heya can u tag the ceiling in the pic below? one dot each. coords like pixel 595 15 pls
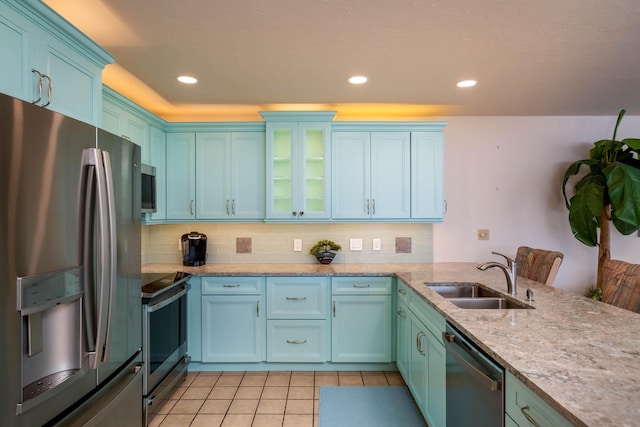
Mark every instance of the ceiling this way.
pixel 530 57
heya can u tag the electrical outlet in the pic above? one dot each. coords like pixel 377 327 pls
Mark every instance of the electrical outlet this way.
pixel 377 244
pixel 483 234
pixel 297 245
pixel 355 244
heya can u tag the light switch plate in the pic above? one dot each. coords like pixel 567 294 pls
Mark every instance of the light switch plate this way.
pixel 297 245
pixel 355 244
pixel 377 244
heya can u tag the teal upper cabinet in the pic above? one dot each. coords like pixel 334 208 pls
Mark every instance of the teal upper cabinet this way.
pixel 230 171
pixel 298 178
pixel 181 181
pixel 123 117
pixel 49 62
pixel 371 175
pixel 427 172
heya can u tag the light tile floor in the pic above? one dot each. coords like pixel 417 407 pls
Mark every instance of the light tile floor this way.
pixel 258 399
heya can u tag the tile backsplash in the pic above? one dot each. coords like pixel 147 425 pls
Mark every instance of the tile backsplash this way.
pixel 273 243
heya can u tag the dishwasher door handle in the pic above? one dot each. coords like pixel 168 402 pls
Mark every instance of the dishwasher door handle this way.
pixel 456 348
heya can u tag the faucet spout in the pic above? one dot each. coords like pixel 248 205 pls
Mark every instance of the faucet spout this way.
pixel 509 270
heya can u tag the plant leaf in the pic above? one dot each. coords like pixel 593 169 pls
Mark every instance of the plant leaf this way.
pixel 620 116
pixel 633 143
pixel 622 226
pixel 573 169
pixel 585 208
pixel 623 182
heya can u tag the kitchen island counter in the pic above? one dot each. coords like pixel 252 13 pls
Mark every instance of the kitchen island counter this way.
pixel 581 356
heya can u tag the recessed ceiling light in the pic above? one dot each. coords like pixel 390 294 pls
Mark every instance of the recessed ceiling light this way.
pixel 466 83
pixel 187 80
pixel 357 80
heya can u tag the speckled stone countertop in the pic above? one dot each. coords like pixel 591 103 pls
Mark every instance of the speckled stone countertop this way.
pixel 579 355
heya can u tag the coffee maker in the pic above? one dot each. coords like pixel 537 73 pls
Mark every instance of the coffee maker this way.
pixel 194 249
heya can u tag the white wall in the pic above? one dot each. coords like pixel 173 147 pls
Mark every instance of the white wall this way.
pixel 505 174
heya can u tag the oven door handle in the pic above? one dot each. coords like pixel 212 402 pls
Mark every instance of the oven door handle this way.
pixel 166 302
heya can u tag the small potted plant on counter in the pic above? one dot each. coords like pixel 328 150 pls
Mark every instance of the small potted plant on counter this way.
pixel 324 251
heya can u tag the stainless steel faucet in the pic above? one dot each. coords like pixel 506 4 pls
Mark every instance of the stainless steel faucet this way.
pixel 510 271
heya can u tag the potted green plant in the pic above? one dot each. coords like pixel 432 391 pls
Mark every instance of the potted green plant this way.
pixel 324 251
pixel 610 191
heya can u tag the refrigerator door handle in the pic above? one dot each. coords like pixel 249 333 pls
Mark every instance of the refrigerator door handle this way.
pixel 112 247
pixel 94 158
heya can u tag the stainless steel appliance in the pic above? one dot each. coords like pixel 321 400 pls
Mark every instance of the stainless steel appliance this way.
pixel 164 342
pixel 194 249
pixel 475 384
pixel 148 188
pixel 69 272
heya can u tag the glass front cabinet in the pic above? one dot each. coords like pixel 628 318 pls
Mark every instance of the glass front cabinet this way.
pixel 298 174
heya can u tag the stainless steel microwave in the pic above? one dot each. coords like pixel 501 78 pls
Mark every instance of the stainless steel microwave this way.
pixel 148 189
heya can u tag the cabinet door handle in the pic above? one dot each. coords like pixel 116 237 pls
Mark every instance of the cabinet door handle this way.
pixel 374 207
pixel 361 286
pixel 334 309
pixel 419 343
pixel 529 417
pixel 301 213
pixel 368 211
pixel 191 207
pixel 231 286
pixel 233 206
pixel 39 85
pixel 296 341
pixel 296 298
pixel 227 206
pixel 402 314
pixel 294 213
pixel 258 308
pixel 49 90
pixel 402 291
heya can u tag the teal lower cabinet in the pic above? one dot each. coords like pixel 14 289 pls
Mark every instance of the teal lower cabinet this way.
pixel 402 337
pixel 194 319
pixel 297 341
pixel 233 319
pixel 421 356
pixel 297 319
pixel 525 408
pixel 361 319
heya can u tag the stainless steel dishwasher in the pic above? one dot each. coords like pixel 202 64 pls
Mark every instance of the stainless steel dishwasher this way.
pixel 475 384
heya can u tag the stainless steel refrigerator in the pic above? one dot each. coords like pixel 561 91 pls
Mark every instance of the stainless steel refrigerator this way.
pixel 70 301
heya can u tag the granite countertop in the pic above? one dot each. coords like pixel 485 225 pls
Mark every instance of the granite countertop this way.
pixel 581 356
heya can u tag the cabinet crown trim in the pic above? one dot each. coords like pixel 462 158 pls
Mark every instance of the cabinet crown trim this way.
pixel 388 126
pixel 298 116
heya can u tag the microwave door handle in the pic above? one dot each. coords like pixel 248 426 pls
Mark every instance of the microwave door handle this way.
pixel 101 262
pixel 111 246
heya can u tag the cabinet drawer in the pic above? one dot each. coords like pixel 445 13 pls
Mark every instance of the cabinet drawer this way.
pixel 297 341
pixel 521 402
pixel 403 292
pixel 361 285
pixel 232 285
pixel 297 297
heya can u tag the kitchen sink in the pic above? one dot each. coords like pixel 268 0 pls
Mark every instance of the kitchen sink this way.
pixel 486 303
pixel 463 290
pixel 475 296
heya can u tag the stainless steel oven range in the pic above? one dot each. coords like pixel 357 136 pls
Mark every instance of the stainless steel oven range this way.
pixel 164 337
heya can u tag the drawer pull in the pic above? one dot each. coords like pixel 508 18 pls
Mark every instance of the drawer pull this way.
pixel 528 417
pixel 296 341
pixel 296 298
pixel 230 286
pixel 361 286
pixel 402 291
pixel 401 314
